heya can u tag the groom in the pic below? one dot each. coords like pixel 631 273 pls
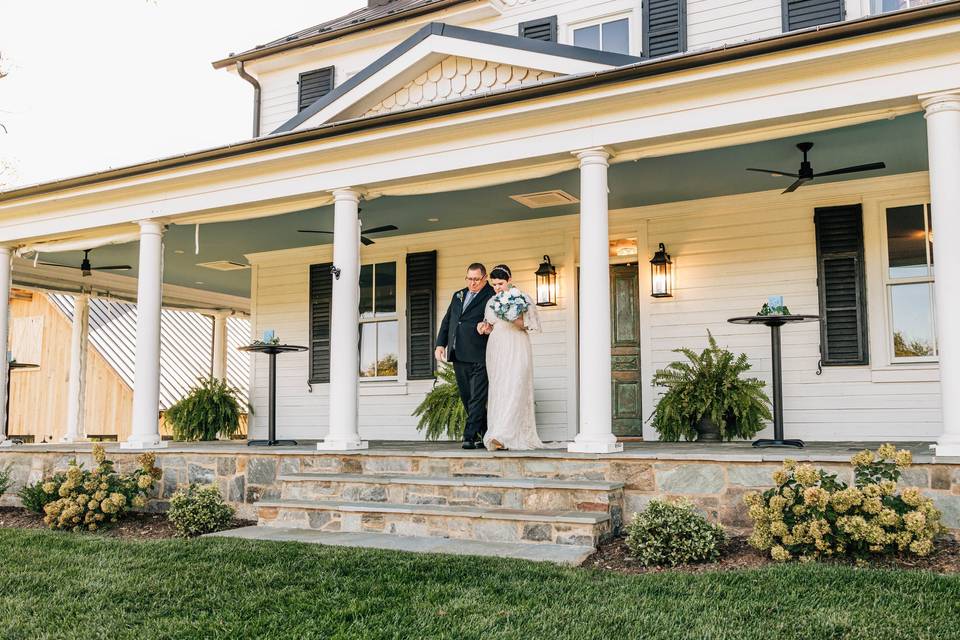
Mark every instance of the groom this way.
pixel 460 343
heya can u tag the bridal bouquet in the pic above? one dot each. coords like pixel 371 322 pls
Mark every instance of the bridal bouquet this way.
pixel 510 304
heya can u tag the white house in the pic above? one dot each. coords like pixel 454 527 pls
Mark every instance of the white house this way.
pixel 591 132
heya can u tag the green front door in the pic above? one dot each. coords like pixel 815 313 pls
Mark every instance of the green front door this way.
pixel 625 349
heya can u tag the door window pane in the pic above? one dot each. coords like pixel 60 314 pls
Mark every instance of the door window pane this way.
pixel 366 291
pixel 910 306
pixel 907 242
pixel 368 350
pixel 616 36
pixel 588 37
pixel 386 288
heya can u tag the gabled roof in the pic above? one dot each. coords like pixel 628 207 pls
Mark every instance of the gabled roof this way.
pixel 421 50
pixel 365 18
pixel 186 345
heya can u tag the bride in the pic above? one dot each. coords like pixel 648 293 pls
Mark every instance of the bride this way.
pixel 510 408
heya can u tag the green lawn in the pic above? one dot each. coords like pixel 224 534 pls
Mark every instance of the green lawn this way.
pixel 57 585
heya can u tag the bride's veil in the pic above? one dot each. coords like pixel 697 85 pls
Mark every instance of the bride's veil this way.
pixel 531 319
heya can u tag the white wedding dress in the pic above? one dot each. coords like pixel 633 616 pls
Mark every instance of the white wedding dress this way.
pixel 511 413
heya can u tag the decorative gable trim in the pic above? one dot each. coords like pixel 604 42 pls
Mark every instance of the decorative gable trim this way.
pixel 456 76
pixel 436 41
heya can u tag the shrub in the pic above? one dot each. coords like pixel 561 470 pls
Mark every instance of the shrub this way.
pixel 83 499
pixel 6 478
pixel 709 386
pixel 672 533
pixel 441 412
pixel 211 408
pixel 34 498
pixel 199 509
pixel 810 513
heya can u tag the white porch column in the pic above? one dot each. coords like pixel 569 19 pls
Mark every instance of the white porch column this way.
pixel 942 113
pixel 343 434
pixel 76 385
pixel 220 345
pixel 596 419
pixel 146 381
pixel 6 255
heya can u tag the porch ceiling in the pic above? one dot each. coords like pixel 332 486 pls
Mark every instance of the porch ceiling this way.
pixel 901 143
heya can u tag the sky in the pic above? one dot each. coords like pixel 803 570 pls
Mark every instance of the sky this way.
pixel 94 84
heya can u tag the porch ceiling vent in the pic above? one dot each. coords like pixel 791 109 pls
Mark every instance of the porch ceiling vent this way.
pixel 545 199
pixel 223 265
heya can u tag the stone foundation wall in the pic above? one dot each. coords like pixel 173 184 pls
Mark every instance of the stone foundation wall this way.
pixel 716 486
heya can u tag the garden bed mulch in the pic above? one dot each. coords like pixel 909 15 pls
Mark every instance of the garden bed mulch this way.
pixel 138 526
pixel 737 554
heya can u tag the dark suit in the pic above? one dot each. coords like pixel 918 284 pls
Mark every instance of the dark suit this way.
pixel 467 350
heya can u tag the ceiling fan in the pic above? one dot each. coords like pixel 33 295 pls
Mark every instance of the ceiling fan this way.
pixel 806 174
pixel 86 268
pixel 363 238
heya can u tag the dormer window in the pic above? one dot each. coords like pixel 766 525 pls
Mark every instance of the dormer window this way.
pixel 884 6
pixel 612 36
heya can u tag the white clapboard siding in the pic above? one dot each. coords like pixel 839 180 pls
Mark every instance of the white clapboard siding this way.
pixel 711 23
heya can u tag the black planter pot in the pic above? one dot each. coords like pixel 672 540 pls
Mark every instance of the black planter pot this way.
pixel 707 431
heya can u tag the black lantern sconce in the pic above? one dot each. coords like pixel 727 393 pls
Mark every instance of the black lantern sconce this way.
pixel 661 274
pixel 546 284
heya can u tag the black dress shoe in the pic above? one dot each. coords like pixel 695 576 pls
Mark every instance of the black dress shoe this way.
pixel 468 445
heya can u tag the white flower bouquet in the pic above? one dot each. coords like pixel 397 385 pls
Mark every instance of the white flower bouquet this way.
pixel 510 304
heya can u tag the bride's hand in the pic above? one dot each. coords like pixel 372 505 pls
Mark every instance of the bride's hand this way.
pixel 481 328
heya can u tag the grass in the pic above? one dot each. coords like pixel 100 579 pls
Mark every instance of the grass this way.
pixel 61 585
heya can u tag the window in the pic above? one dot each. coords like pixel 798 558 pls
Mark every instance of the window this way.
pixel 909 283
pixel 612 36
pixel 883 6
pixel 379 325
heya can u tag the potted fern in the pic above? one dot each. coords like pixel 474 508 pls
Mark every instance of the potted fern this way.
pixel 707 400
pixel 441 413
pixel 211 409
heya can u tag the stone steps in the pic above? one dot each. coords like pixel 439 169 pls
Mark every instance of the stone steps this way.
pixel 534 494
pixel 581 528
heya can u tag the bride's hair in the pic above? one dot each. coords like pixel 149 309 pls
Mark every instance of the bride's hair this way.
pixel 501 272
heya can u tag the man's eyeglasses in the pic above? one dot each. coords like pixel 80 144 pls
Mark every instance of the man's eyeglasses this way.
pixel 469 279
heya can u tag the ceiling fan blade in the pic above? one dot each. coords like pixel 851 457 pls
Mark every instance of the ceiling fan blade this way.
pixel 795 185
pixel 860 167
pixel 366 241
pixel 114 267
pixel 313 231
pixel 54 264
pixel 776 173
pixel 388 227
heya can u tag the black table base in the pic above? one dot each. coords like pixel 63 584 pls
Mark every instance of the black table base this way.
pixel 772 442
pixel 272 350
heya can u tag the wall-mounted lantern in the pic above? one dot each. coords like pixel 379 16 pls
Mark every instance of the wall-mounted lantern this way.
pixel 546 284
pixel 661 276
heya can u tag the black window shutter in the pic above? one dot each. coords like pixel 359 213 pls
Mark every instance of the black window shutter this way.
pixel 664 27
pixel 421 314
pixel 840 277
pixel 540 29
pixel 800 14
pixel 314 85
pixel 321 295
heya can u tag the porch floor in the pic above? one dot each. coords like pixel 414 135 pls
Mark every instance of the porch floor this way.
pixel 839 451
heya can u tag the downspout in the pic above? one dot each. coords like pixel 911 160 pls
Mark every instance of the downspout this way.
pixel 256 97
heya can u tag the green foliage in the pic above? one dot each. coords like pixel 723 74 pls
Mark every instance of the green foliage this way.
pixel 441 412
pixel 6 478
pixel 709 385
pixel 197 510
pixel 96 498
pixel 34 498
pixel 210 409
pixel 672 533
pixel 810 513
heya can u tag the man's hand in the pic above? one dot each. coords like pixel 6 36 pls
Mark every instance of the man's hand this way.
pixel 441 354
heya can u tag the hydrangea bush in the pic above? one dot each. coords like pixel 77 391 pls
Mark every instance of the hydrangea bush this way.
pixel 811 514
pixel 96 498
pixel 672 533
pixel 197 510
